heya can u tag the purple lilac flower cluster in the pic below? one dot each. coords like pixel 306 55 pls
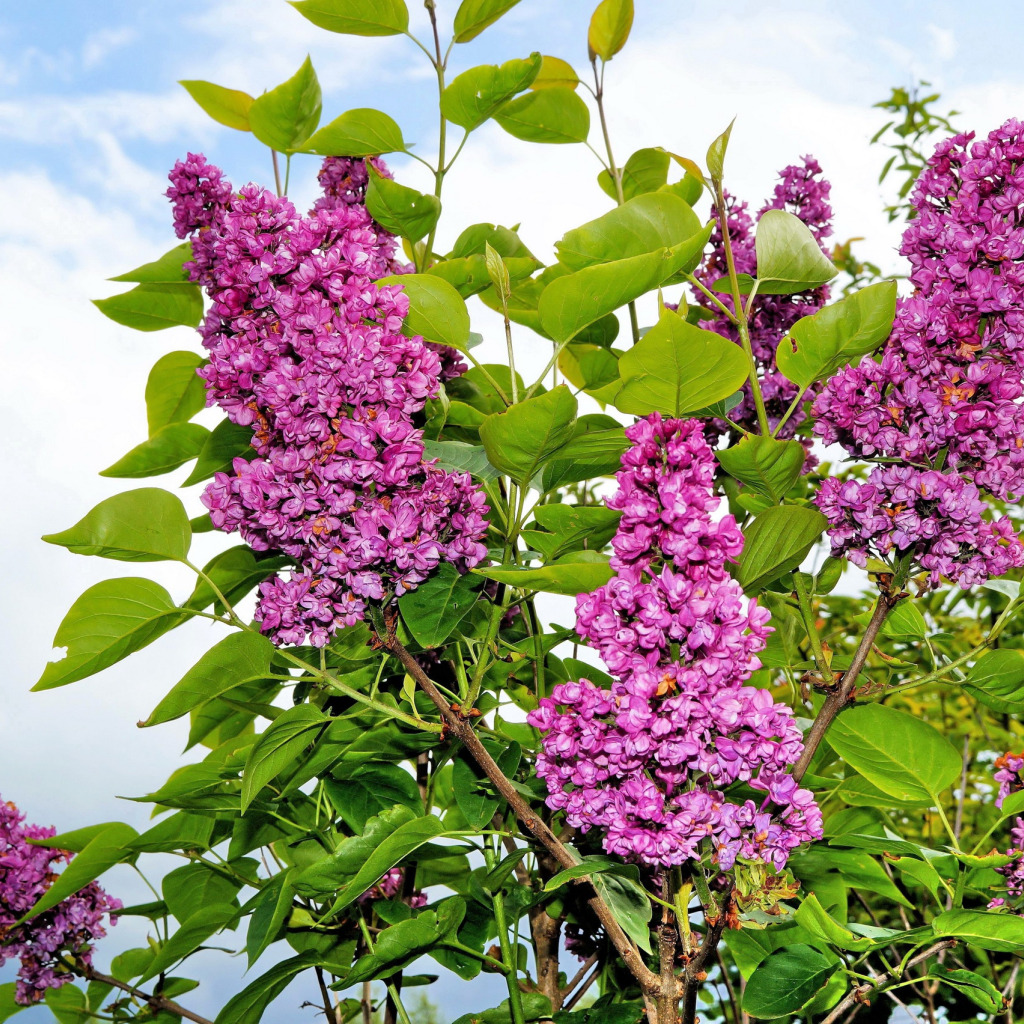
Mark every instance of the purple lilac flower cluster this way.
pixel 306 349
pixel 68 929
pixel 389 886
pixel 945 396
pixel 802 191
pixel 647 760
pixel 1008 775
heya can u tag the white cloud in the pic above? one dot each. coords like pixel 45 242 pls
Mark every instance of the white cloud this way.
pixel 98 45
pixel 943 42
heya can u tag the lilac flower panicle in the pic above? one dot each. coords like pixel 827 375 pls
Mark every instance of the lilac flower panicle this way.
pixel 66 931
pixel 306 349
pixel 948 388
pixel 647 761
pixel 1008 774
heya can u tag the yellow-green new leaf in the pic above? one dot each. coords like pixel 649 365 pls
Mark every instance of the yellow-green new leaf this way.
pixel 473 16
pixel 478 93
pixel 229 107
pixel 609 28
pixel 556 116
pixel 356 17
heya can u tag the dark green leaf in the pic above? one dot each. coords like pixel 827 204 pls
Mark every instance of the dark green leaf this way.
pixel 575 573
pixel 775 542
pixel 548 115
pixel 170 447
pixel 765 464
pixel 677 368
pixel 473 16
pixel 143 525
pixel 226 442
pixel 229 107
pixel 356 17
pixel 238 658
pixel 360 132
pixel 610 1013
pixel 786 981
pixel 609 28
pixel 478 93
pixel 282 743
pixel 362 791
pixel 588 866
pixel 788 258
pixel 978 989
pixel 8 1007
pixel 174 391
pixel 186 890
pixel 107 623
pixel 820 344
pixel 403 211
pixel 472 790
pixel 271 911
pixel 460 457
pixel 395 947
pixel 819 923
pixel 628 901
pixel 436 310
pixel 997 680
pixel 437 606
pixel 596 444
pixel 178 831
pixel 234 572
pixel 168 269
pixel 249 1005
pixel 287 116
pixel 153 307
pixel 1001 933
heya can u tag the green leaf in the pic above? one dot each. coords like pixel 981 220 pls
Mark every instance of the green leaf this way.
pixel 978 989
pixel 591 865
pixel 577 572
pixel 168 269
pixel 143 525
pixel 900 754
pixel 476 94
pixel 645 171
pixel 820 344
pixel 649 222
pixel 438 605
pixel 551 115
pixel 362 791
pixel 153 307
pixel 249 1005
pixel 272 909
pixel 608 1013
pixel 225 443
pixel 287 116
pixel 174 391
pixel 555 73
pixel 68 1005
pixel 997 680
pixel 460 457
pixel 609 28
pixel 768 466
pixel 8 1007
pixel 816 920
pixel 518 440
pixel 179 831
pixel 436 310
pixel 1000 933
pixel 677 368
pixel 628 901
pixel 775 542
pixel 403 211
pixel 473 792
pixel 234 572
pixel 194 931
pixel 905 620
pixel 170 447
pixel 473 16
pixel 596 444
pixel 574 301
pixel 716 153
pixel 356 17
pixel 788 258
pixel 238 658
pixel 573 525
pixel 283 742
pixel 109 847
pixel 107 623
pixel 229 107
pixel 396 947
pixel 786 981
pixel 360 132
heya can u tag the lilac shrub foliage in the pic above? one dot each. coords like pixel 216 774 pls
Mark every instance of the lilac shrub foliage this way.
pixel 306 349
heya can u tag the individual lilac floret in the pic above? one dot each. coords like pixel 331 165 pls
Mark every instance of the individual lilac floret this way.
pixel 306 349
pixel 199 194
pixel 1008 775
pixel 648 760
pixel 64 932
pixel 948 390
pixel 389 886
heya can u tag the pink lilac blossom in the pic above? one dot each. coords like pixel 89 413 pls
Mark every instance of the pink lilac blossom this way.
pixel 67 930
pixel 306 349
pixel 946 393
pixel 389 886
pixel 1008 775
pixel 647 760
pixel 803 192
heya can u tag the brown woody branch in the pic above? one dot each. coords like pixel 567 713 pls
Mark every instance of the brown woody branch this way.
pixel 155 1000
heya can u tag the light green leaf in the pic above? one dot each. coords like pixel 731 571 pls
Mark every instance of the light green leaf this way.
pixel 816 920
pixel 436 310
pixel 356 17
pixel 788 258
pixel 359 132
pixel 478 93
pixel 144 525
pixel 473 16
pixel 775 542
pixel 819 345
pixel 194 931
pixel 765 464
pixel 645 171
pixel 555 73
pixel 403 211
pixel 174 391
pixel 168 269
pixel 609 28
pixel 238 658
pixel 154 307
pixel 229 107
pixel 577 572
pixel 284 741
pixel 1001 933
pixel 438 605
pixel 107 623
pixel 786 981
pixel 900 754
pixel 519 440
pixel 715 156
pixel 677 368
pixel 997 680
pixel 548 115
pixel 170 447
pixel 287 116
pixel 8 1007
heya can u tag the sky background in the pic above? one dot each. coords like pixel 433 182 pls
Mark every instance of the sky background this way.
pixel 91 118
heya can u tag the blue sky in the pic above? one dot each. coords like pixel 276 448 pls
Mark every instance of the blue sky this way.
pixel 90 121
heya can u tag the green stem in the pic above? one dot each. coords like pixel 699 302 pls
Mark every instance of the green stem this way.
pixel 439 63
pixel 277 172
pixel 515 997
pixel 723 308
pixel 793 406
pixel 803 597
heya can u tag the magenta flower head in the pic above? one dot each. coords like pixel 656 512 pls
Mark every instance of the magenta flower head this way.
pixel 649 762
pixel 67 932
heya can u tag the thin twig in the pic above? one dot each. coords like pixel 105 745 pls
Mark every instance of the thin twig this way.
pixel 158 1002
